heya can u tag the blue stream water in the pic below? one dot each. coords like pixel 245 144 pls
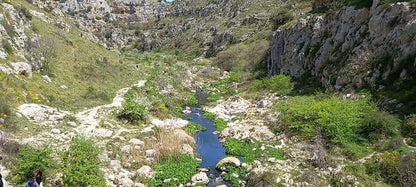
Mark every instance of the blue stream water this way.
pixel 208 146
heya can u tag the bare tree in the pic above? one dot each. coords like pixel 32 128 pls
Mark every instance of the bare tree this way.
pixel 44 51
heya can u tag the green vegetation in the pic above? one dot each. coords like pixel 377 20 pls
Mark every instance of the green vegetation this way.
pixel 221 124
pixel 280 18
pixel 353 124
pixel 279 84
pixel 192 101
pixel 235 174
pixel 81 163
pixel 177 168
pixel 132 110
pixel 193 127
pixel 338 118
pixel 210 115
pixel 31 160
pixel 251 150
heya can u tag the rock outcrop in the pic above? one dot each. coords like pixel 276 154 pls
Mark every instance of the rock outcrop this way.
pixel 347 48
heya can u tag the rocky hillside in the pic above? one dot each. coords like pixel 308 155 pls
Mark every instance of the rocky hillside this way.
pixel 368 48
pixel 293 88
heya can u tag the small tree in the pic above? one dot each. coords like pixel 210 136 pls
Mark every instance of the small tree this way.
pixel 43 51
pixel 81 164
pixel 30 160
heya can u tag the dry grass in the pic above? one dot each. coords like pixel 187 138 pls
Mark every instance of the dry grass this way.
pixel 164 141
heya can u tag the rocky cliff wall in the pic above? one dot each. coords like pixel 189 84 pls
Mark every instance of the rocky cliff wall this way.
pixel 350 48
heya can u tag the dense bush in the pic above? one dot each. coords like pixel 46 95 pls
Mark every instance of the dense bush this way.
pixel 192 101
pixel 30 160
pixel 132 110
pixel 181 167
pixel 279 84
pixel 281 18
pixel 378 125
pixel 338 118
pixel 81 164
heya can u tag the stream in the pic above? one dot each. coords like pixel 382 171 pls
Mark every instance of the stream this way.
pixel 208 146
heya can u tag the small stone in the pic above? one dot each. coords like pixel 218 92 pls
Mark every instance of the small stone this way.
pixel 115 164
pixel 139 185
pixel 136 141
pixel 166 180
pixel 46 78
pixel 116 181
pixel 64 87
pixel 145 171
pixel 126 149
pixel 71 123
pixel 111 177
pixel 26 128
pixel 151 153
pixel 56 131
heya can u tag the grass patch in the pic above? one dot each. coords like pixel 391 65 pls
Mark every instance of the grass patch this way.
pixel 194 127
pixel 279 84
pixel 251 150
pixel 235 174
pixel 178 168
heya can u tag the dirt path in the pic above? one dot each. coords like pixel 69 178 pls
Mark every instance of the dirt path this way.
pixel 90 122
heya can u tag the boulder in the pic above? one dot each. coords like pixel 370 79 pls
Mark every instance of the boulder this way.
pixel 150 154
pixel 200 177
pixel 126 149
pixel 56 131
pixel 187 149
pixel 115 164
pixel 145 171
pixel 229 160
pixel 136 141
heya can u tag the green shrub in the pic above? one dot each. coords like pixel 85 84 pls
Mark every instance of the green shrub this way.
pixel 280 18
pixel 132 110
pixel 7 47
pixel 81 164
pixel 221 124
pixel 30 160
pixel 278 83
pixel 193 127
pixel 235 76
pixel 377 125
pixel 338 118
pixel 210 115
pixel 181 167
pixel 192 101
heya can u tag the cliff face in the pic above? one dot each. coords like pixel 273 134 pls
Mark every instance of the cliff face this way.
pixel 347 48
pixel 353 48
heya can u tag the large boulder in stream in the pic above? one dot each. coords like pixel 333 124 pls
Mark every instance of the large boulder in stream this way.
pixel 229 160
